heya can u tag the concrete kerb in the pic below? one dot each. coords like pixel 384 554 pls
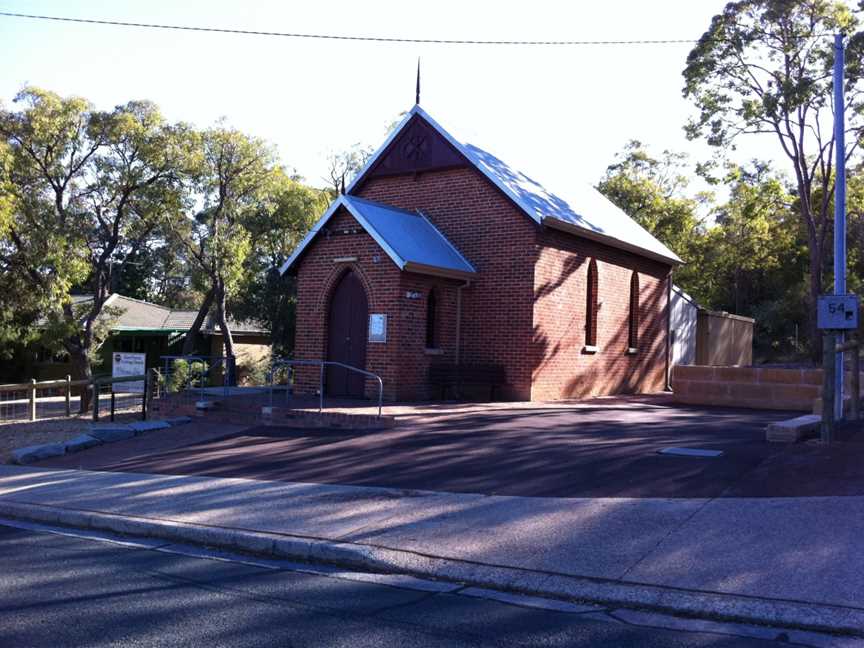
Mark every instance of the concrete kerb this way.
pixel 800 615
pixel 98 434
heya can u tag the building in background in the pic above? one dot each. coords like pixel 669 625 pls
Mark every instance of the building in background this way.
pixel 703 337
pixel 157 331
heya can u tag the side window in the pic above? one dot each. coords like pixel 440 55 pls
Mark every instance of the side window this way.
pixel 430 320
pixel 633 337
pixel 591 306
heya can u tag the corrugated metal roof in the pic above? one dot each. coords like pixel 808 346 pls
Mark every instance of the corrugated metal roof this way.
pixel 581 209
pixel 409 239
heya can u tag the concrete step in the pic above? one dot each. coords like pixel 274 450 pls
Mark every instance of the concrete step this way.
pixel 793 430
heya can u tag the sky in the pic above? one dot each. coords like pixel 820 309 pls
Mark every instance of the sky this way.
pixel 559 114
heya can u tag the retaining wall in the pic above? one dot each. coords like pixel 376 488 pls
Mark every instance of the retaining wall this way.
pixel 762 388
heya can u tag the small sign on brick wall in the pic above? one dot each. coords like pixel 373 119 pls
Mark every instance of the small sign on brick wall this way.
pixel 377 327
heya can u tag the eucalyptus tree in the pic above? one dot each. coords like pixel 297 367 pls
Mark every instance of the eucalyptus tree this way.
pixel 764 67
pixel 654 191
pixel 86 189
pixel 232 175
pixel 282 219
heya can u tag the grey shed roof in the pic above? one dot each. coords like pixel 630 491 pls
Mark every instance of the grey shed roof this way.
pixel 409 238
pixel 580 209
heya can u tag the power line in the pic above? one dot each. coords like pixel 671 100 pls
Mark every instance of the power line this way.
pixel 336 37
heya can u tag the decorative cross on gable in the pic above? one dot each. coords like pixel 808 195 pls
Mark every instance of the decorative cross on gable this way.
pixel 418 148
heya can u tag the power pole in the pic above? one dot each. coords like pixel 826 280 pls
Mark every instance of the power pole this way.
pixel 839 207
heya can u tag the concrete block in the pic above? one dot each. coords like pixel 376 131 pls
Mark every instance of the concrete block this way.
pixel 140 427
pixel 781 376
pixel 81 442
pixel 793 430
pixel 112 434
pixel 745 391
pixel 178 420
pixel 109 426
pixel 735 374
pixel 811 376
pixel 37 453
pixel 693 372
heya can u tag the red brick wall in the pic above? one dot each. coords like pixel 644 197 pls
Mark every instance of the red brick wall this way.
pixel 539 345
pixel 563 369
pixel 414 357
pixel 498 239
pixel 317 276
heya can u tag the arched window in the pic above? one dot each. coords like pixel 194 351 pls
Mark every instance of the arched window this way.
pixel 430 320
pixel 591 306
pixel 633 336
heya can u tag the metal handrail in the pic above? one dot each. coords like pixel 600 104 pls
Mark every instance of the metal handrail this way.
pixel 322 364
pixel 209 363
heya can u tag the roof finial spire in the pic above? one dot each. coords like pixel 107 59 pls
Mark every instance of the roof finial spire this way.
pixel 417 97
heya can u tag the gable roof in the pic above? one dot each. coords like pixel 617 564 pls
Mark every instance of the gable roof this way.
pixel 411 241
pixel 582 210
pixel 139 315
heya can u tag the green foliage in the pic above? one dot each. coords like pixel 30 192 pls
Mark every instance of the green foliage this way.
pixel 86 189
pixel 653 191
pixel 746 256
pixel 185 374
pixel 765 67
pixel 276 228
pixel 755 260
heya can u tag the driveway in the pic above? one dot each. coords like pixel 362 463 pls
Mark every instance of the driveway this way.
pixel 597 449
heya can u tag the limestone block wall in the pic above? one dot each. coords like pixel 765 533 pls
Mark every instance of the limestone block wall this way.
pixel 761 388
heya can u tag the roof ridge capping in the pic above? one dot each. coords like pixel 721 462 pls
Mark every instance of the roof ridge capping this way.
pixel 609 225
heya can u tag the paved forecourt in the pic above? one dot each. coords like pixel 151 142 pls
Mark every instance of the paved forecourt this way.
pixel 600 448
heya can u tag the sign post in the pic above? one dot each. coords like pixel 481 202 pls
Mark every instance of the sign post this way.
pixel 839 204
pixel 834 314
pixel 128 364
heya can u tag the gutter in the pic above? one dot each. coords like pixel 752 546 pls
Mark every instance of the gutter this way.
pixel 564 226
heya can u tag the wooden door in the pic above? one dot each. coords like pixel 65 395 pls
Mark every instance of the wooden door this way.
pixel 346 337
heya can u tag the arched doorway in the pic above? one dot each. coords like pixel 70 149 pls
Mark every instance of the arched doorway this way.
pixel 346 336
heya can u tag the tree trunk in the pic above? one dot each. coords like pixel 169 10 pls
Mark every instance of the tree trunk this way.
pixel 815 291
pixel 81 370
pixel 227 339
pixel 192 334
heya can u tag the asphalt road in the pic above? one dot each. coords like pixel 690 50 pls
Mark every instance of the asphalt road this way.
pixel 62 591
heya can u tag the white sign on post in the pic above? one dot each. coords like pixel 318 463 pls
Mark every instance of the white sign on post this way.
pixel 837 312
pixel 129 364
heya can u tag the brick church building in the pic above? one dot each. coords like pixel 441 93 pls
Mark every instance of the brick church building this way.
pixel 440 256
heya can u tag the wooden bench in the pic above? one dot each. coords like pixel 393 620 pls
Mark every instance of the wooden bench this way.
pixel 456 376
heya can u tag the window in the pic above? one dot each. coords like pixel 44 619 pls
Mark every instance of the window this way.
pixel 633 336
pixel 430 320
pixel 591 308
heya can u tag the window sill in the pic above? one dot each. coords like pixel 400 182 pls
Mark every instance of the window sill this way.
pixel 588 348
pixel 632 351
pixel 433 351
